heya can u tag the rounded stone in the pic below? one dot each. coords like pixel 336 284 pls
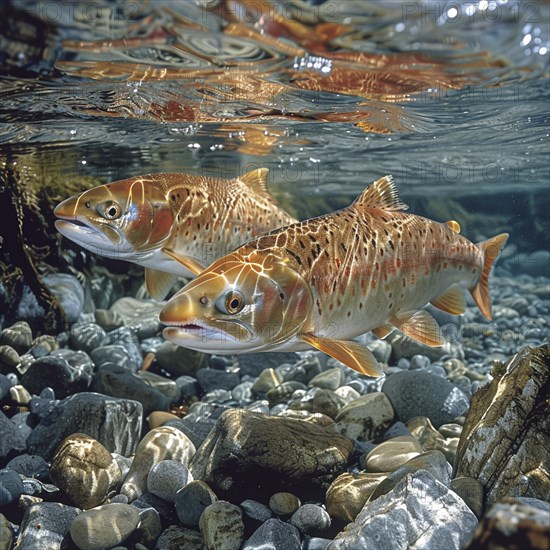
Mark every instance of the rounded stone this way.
pixel 391 454
pixel 284 504
pixel 267 380
pixel 68 292
pixel 158 418
pixel 18 336
pixel 274 534
pixel 222 526
pixel 331 379
pixel 30 466
pixel 419 362
pixel 164 443
pixel 166 478
pixel 9 357
pixel 86 336
pixel 6 533
pixel 11 487
pixel 191 502
pixel 471 491
pixel 310 518
pixel 104 527
pixel 256 510
pixel 84 470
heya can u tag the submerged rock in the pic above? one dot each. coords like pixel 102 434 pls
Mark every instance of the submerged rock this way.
pixel 505 442
pixel 246 451
pixel 418 513
pixel 222 526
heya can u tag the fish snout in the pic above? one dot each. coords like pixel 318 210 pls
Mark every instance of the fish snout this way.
pixel 178 311
pixel 65 209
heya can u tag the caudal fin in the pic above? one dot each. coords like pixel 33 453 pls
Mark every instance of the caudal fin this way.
pixel 491 249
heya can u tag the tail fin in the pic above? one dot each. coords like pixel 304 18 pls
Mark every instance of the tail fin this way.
pixel 480 293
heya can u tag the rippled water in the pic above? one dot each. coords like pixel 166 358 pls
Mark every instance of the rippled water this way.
pixel 449 97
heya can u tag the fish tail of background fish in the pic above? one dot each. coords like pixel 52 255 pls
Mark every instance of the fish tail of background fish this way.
pixel 480 293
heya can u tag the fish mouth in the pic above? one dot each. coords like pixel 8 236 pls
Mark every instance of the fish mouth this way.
pixel 91 238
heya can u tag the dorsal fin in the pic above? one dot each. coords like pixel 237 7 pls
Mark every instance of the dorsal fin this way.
pixel 381 194
pixel 256 181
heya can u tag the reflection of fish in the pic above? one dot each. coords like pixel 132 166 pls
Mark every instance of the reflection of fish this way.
pixel 149 219
pixel 324 281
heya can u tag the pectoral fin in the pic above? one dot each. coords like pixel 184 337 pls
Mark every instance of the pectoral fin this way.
pixel 158 283
pixel 353 355
pixel 453 301
pixel 187 262
pixel 421 326
pixel 382 331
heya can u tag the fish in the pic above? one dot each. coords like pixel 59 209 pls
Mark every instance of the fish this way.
pixel 321 282
pixel 171 224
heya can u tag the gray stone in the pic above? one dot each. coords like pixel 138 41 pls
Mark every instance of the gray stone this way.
pixel 45 525
pixel 470 490
pixel 196 429
pixel 431 439
pixel 274 534
pixel 166 478
pixel 69 293
pixel 103 527
pixel 6 533
pixel 315 543
pixel 258 447
pixel 115 423
pixel 5 386
pixel 188 386
pixel 180 538
pixel 283 392
pixel 180 361
pixel 381 349
pixel 211 379
pixel 418 393
pixel 30 466
pixel 108 320
pixel 256 510
pixel 164 443
pixel 418 513
pixel 113 353
pixel 310 519
pixel 505 442
pixel 84 470
pixel 165 386
pixel 57 373
pixel 11 487
pixel 86 336
pixel 9 358
pixel 419 362
pixel 191 501
pixel 267 380
pixel 284 504
pixel 327 402
pixel 243 392
pixel 117 381
pixel 330 379
pixel 11 440
pixel 365 418
pixel 431 461
pixel 254 363
pixel 222 526
pixel 18 336
pixel 149 528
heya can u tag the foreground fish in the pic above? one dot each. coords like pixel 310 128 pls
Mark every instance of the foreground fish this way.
pixel 326 280
pixel 151 219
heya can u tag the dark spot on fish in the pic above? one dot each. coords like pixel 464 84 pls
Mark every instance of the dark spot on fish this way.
pixel 344 247
pixel 88 204
pixel 302 243
pixel 282 295
pixel 360 305
pixel 294 255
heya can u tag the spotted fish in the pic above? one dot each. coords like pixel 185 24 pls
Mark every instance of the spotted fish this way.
pixel 326 280
pixel 151 219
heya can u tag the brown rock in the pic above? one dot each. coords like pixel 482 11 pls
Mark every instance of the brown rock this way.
pixel 393 453
pixel 284 504
pixel 431 439
pixel 246 451
pixel 348 493
pixel 506 438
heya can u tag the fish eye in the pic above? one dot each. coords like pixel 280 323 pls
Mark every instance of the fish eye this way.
pixel 110 210
pixel 231 302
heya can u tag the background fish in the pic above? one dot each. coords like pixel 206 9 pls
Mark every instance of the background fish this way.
pixel 150 219
pixel 323 281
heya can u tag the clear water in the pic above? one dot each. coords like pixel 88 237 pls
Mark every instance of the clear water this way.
pixel 460 116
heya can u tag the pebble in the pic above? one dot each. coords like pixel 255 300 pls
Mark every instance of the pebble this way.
pixel 103 527
pixel 274 534
pixel 6 534
pixel 347 393
pixel 419 362
pixel 30 466
pixel 108 320
pixel 222 526
pixel 9 358
pixel 391 454
pixel 423 394
pixel 164 443
pixel 159 418
pixel 471 491
pixel 180 538
pixel 191 501
pixel 11 487
pixel 115 423
pixel 428 514
pixel 315 543
pixel 68 292
pixel 395 430
pixel 86 336
pixel 257 447
pixel 256 510
pixel 149 528
pixel 431 439
pixel 165 386
pixel 166 478
pixel 349 492
pixel 45 525
pixel 189 388
pixel 330 379
pixel 267 380
pixel 5 385
pixel 310 519
pixel 381 350
pixel 11 440
pixel 284 504
pixel 365 418
pixel 243 392
pixel 18 336
pixel 211 379
pixel 84 470
pixel 327 402
pixel 283 392
pixel 179 361
pixel 113 353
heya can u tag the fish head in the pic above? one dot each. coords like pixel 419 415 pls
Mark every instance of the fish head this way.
pixel 124 219
pixel 239 305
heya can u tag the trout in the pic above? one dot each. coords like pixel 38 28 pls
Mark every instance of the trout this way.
pixel 321 282
pixel 151 219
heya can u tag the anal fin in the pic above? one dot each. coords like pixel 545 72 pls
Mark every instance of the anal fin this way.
pixel 420 326
pixel 451 301
pixel 158 283
pixel 353 355
pixel 382 331
pixel 187 262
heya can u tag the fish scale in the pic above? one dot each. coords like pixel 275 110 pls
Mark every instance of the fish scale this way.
pixel 326 280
